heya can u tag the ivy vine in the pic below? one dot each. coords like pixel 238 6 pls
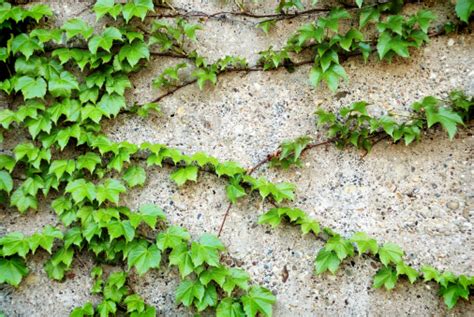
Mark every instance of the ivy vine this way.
pixel 62 83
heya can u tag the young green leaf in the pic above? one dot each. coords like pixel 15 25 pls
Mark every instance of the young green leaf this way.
pixel 184 174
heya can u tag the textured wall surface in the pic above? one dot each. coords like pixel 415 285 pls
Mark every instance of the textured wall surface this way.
pixel 420 197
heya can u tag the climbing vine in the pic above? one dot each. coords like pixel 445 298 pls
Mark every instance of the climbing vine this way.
pixel 63 83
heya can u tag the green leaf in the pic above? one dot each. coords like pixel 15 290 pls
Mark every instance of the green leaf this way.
pixel 206 250
pixel 150 214
pixel 88 161
pixel 216 274
pixel 236 277
pixel 31 87
pixel 172 238
pixel 407 270
pixel 258 300
pixel 181 256
pixel 107 308
pixel 452 293
pixel 26 45
pixel 110 190
pixel 134 52
pixel 80 189
pixel 62 85
pixel 385 277
pixel 234 191
pixel 203 75
pixel 326 260
pixel 447 118
pixel 464 9
pixel 143 257
pixel 103 7
pixel 342 247
pixel 74 27
pixel 7 162
pixel 111 104
pixel 59 167
pixel 271 217
pixel 134 175
pixel 229 169
pixel 184 174
pixel 6 182
pixel 138 8
pixel 105 40
pixel 209 299
pixel 86 310
pixel 12 270
pixel 45 239
pixel 188 290
pixel 228 308
pixel 23 201
pixel 390 253
pixel 364 243
pixel 14 243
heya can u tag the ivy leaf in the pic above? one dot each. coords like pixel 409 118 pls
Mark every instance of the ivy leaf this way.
pixel 150 214
pixel 134 175
pixel 188 290
pixel 172 238
pixel 181 256
pixel 216 274
pixel 258 300
pixel 38 11
pixel 12 270
pixel 228 308
pixel 103 7
pixel 203 75
pixel 107 308
pixel 117 84
pixel 105 40
pixel 45 239
pixel 6 182
pixel 234 191
pixel 464 9
pixel 7 162
pixel 63 84
pixel 385 277
pixel 138 8
pixel 326 260
pixel 206 250
pixel 31 87
pixel 26 45
pixel 447 118
pixel 430 273
pixel 452 293
pixel 364 243
pixel 143 257
pixel 229 169
pixel 342 247
pixel 271 217
pixel 134 52
pixel 80 189
pixel 22 201
pixel 407 270
pixel 209 299
pixel 88 161
pixel 59 167
pixel 111 104
pixel 74 27
pixel 110 190
pixel 236 277
pixel 390 253
pixel 86 310
pixel 14 243
pixel 184 174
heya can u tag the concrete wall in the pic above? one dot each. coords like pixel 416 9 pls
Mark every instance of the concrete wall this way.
pixel 420 197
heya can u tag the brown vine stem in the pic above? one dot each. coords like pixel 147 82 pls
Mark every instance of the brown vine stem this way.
pixel 266 160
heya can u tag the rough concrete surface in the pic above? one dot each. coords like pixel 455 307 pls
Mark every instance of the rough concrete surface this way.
pixel 420 197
